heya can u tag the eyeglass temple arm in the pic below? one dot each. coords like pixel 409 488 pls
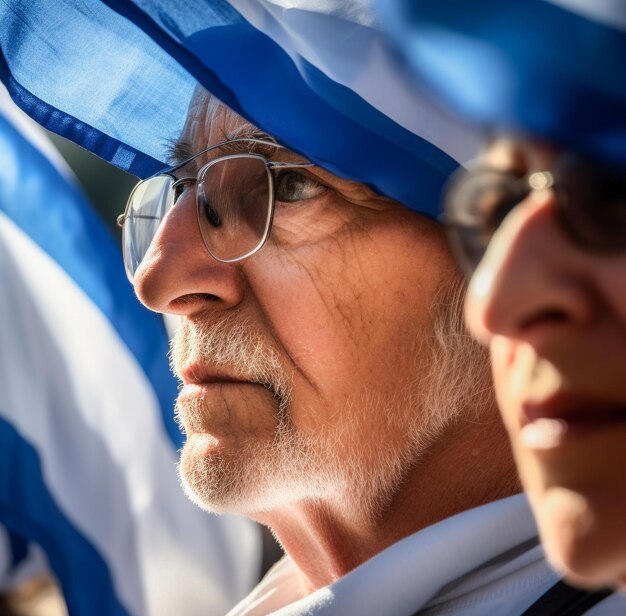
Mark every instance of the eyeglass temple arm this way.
pixel 276 165
pixel 121 219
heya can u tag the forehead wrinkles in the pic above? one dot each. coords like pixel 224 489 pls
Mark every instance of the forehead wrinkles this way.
pixel 209 122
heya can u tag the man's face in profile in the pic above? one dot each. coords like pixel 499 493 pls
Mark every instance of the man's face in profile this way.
pixel 311 370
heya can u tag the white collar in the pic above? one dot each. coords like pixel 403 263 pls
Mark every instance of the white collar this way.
pixel 409 574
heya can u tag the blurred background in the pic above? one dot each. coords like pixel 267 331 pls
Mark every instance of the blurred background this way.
pixel 106 186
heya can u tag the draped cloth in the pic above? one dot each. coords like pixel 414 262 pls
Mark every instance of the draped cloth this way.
pixel 117 77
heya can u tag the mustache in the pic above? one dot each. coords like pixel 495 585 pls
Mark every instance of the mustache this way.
pixel 234 344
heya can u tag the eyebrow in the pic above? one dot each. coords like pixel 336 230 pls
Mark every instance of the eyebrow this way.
pixel 248 131
pixel 178 152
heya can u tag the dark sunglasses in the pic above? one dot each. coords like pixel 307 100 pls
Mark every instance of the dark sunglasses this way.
pixel 591 206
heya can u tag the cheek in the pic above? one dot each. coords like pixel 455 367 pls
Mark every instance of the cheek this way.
pixel 349 323
pixel 332 322
pixel 612 284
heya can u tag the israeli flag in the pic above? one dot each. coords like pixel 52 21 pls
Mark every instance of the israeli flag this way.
pixel 316 74
pixel 88 446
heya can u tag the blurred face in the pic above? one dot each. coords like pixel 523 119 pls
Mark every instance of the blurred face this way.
pixel 554 317
pixel 305 368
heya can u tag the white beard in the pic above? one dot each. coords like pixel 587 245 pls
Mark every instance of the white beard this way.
pixel 332 465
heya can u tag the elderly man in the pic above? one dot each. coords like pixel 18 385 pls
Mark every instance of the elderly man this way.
pixel 329 391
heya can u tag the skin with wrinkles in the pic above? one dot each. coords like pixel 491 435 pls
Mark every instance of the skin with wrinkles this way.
pixel 554 317
pixel 340 401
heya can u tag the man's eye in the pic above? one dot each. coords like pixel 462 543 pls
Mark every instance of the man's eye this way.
pixel 180 187
pixel 290 186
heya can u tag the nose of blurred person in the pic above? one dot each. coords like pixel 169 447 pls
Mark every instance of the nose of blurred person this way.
pixel 178 275
pixel 531 278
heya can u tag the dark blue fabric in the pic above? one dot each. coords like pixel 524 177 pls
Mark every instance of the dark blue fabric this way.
pixel 71 234
pixel 18 546
pixel 532 66
pixel 28 509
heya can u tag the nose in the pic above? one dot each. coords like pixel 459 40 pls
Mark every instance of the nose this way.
pixel 532 278
pixel 178 275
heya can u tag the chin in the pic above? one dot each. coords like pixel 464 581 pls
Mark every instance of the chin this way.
pixel 216 482
pixel 582 566
pixel 584 538
pixel 249 478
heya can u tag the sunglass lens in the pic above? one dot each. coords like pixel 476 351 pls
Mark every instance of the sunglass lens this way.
pixel 592 205
pixel 476 203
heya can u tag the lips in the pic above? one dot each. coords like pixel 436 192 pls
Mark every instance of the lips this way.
pixel 573 410
pixel 211 399
pixel 202 374
pixel 199 375
pixel 550 423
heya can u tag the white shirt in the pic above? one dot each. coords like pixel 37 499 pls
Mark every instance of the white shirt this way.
pixel 482 561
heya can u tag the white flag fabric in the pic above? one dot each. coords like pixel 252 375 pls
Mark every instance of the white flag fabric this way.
pixel 87 440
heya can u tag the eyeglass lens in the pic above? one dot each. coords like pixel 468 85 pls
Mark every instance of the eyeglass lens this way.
pixel 592 205
pixel 233 203
pixel 476 204
pixel 148 204
pixel 234 206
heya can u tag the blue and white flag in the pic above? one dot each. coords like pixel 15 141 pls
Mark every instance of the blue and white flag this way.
pixel 116 76
pixel 87 440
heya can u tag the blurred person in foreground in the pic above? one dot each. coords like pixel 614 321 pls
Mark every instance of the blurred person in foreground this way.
pixel 539 223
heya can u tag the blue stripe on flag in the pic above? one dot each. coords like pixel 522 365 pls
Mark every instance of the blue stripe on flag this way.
pixel 27 507
pixel 346 101
pixel 19 549
pixel 403 166
pixel 38 199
